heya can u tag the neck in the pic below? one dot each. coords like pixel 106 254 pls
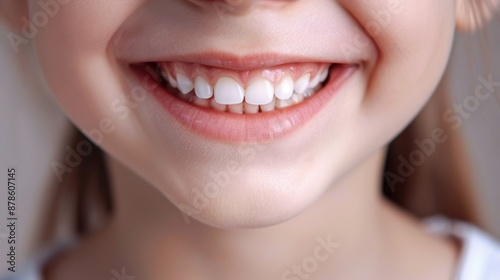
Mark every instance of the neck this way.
pixel 150 227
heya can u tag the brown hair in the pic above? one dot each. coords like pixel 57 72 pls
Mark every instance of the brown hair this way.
pixel 82 200
pixel 442 182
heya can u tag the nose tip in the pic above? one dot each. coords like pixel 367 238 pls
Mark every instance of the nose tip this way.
pixel 238 6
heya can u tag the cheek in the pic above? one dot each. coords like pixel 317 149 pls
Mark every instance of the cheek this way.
pixel 73 53
pixel 414 40
pixel 74 41
pixel 72 50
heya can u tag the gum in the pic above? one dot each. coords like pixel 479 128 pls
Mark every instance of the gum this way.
pixel 244 77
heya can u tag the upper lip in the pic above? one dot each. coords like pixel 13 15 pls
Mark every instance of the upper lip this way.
pixel 150 47
pixel 238 62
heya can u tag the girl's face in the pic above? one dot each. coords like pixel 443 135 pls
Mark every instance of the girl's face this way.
pixel 300 130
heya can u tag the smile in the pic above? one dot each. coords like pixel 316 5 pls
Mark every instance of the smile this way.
pixel 243 92
pixel 260 104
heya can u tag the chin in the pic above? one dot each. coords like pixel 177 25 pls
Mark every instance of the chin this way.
pixel 247 201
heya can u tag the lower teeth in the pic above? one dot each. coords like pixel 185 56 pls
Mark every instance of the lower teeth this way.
pixel 244 108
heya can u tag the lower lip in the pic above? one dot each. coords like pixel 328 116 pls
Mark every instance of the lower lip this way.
pixel 230 127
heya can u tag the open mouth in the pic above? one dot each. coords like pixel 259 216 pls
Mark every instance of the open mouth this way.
pixel 232 105
pixel 243 92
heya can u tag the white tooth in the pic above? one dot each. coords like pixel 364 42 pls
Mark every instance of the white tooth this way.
pixel 236 108
pixel 259 92
pixel 202 88
pixel 302 83
pixel 201 102
pixel 171 80
pixel 185 84
pixel 323 75
pixel 217 106
pixel 315 81
pixel 280 104
pixel 269 106
pixel 309 92
pixel 250 108
pixel 228 91
pixel 297 98
pixel 284 89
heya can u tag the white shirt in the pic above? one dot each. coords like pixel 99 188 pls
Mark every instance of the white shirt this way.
pixel 480 256
pixel 479 260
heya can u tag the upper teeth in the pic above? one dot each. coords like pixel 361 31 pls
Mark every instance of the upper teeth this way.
pixel 185 84
pixel 202 88
pixel 260 91
pixel 228 91
pixel 284 90
pixel 301 84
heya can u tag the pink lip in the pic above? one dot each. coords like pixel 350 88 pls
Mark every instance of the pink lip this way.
pixel 229 127
pixel 240 62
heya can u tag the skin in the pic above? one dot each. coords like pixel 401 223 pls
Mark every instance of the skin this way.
pixel 289 191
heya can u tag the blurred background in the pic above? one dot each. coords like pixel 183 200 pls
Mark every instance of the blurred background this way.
pixel 32 130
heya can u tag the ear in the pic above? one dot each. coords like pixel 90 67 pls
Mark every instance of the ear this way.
pixel 12 12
